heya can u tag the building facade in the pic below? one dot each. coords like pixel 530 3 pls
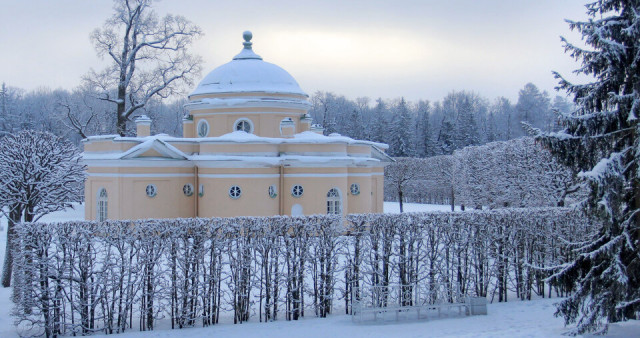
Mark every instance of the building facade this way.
pixel 248 149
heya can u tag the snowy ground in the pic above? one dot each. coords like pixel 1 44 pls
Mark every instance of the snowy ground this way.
pixel 512 319
pixel 394 207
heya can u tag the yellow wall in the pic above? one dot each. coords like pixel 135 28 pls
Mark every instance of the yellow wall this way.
pixel 264 124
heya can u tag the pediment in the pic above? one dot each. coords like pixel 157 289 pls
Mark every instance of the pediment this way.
pixel 154 148
pixel 379 154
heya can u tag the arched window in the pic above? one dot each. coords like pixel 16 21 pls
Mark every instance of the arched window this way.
pixel 334 204
pixel 102 204
pixel 296 210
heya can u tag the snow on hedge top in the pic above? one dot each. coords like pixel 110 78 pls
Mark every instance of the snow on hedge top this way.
pixel 248 73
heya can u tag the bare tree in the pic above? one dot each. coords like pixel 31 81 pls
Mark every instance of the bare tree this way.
pixel 148 57
pixel 83 113
pixel 400 173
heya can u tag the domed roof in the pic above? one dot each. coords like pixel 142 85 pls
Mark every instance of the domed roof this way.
pixel 248 73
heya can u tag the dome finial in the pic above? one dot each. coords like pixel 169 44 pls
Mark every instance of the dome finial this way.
pixel 247 39
pixel 247 52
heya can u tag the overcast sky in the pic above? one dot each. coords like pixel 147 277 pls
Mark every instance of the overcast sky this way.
pixel 419 49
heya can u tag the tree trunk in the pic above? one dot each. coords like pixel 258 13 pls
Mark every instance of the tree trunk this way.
pixel 7 269
pixel 121 124
pixel 453 199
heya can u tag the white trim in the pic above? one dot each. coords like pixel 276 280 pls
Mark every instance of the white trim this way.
pixel 146 162
pixel 163 148
pixel 137 175
pixel 327 175
pixel 250 113
pixel 232 175
pixel 239 175
pixel 288 103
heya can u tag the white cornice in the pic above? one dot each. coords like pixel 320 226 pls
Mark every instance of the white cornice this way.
pixel 247 103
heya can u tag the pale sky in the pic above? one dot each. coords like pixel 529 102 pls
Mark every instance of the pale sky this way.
pixel 419 49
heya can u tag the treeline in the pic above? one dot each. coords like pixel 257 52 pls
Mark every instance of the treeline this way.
pixel 425 129
pixel 84 277
pixel 421 129
pixel 78 113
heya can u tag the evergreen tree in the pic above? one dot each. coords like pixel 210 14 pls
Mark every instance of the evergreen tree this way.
pixel 424 130
pixel 533 107
pixel 355 129
pixel 401 140
pixel 466 126
pixel 446 137
pixel 379 127
pixel 601 141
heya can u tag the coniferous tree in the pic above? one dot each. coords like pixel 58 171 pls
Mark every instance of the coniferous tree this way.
pixel 380 121
pixel 401 140
pixel 533 107
pixel 424 130
pixel 601 140
pixel 446 141
pixel 466 126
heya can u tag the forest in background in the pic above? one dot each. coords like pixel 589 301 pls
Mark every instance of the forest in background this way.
pixel 412 129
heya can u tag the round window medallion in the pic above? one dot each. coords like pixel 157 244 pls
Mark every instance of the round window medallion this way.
pixel 151 190
pixel 235 192
pixel 273 191
pixel 355 189
pixel 187 189
pixel 203 128
pixel 297 191
pixel 243 125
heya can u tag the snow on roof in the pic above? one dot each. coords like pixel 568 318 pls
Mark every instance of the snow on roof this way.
pixel 156 144
pixel 276 160
pixel 248 73
pixel 305 137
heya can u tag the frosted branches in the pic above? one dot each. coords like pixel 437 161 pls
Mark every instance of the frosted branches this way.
pixel 115 276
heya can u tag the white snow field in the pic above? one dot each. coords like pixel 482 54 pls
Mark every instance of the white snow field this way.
pixel 512 319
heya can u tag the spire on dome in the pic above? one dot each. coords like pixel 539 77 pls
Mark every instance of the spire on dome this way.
pixel 247 53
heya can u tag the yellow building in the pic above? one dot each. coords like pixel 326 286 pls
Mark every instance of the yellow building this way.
pixel 248 149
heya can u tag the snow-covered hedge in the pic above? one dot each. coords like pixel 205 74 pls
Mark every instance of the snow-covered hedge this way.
pixel 109 277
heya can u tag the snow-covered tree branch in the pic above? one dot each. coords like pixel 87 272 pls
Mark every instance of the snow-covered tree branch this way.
pixel 148 55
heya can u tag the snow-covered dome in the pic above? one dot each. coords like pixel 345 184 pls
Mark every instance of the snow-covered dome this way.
pixel 247 72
